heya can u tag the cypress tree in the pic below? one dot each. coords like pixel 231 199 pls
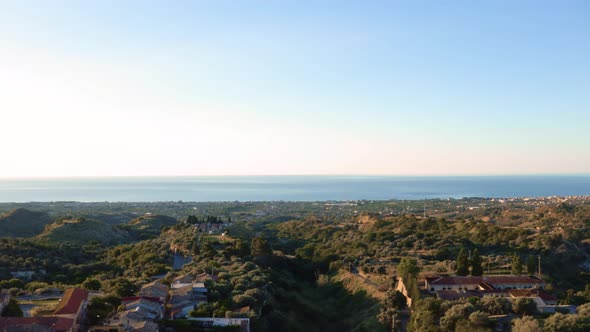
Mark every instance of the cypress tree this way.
pixel 476 268
pixel 462 263
pixel 516 265
pixel 531 265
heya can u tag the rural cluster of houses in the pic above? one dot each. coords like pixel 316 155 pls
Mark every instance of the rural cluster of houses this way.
pixel 156 301
pixel 67 317
pixel 508 286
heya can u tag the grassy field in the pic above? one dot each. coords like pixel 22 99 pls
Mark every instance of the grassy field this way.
pixel 40 302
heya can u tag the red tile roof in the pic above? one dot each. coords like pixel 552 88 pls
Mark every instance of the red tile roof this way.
pixel 59 323
pixel 509 279
pixel 71 301
pixel 243 309
pixel 491 280
pixel 455 280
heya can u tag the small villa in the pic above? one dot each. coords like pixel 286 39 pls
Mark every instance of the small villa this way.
pixel 483 283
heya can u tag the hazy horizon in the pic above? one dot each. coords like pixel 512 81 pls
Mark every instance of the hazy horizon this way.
pixel 155 88
pixel 300 175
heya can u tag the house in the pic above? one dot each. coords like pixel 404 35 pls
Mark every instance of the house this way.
pixel 107 328
pixel 155 289
pixel 199 288
pixel 452 295
pixel 181 281
pixel 181 303
pixel 145 326
pixel 243 323
pixel 181 309
pixel 546 298
pixel 37 324
pixel 148 308
pixel 185 295
pixel 73 306
pixel 483 283
pixel 133 321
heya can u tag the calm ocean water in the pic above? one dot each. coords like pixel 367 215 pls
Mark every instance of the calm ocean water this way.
pixel 288 188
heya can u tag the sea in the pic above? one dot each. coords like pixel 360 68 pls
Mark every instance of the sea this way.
pixel 287 188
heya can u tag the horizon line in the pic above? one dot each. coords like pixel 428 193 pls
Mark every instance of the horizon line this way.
pixel 46 177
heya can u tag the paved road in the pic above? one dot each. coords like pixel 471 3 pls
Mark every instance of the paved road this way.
pixel 180 261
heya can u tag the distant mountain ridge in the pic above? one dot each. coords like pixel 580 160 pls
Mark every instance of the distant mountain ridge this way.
pixel 23 223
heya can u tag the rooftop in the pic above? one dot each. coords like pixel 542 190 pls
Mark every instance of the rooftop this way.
pixel 71 301
pixel 491 280
pixel 57 324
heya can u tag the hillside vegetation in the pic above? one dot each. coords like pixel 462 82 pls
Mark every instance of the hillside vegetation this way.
pixel 23 223
pixel 319 266
pixel 81 231
pixel 149 226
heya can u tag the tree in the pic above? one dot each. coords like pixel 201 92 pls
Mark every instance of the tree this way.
pixel 92 284
pixel 408 269
pixel 424 315
pixel 531 265
pixel 525 324
pixel 12 309
pixel 516 265
pixel 123 288
pixel 260 247
pixel 524 306
pixel 195 248
pixel 208 249
pixel 454 314
pixel 241 248
pixel 100 307
pixel 476 268
pixel 559 322
pixel 496 305
pixel 462 268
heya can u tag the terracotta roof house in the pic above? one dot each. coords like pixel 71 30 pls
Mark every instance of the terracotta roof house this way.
pixel 36 324
pixel 547 298
pixel 496 282
pixel 73 306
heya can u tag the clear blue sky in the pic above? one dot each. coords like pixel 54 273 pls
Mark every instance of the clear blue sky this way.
pixel 294 87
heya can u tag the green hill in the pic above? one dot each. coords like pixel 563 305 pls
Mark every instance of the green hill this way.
pixel 81 231
pixel 23 223
pixel 112 218
pixel 149 225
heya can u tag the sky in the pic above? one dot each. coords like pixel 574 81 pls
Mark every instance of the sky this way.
pixel 167 88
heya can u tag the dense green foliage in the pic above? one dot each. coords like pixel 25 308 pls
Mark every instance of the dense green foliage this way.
pixel 12 309
pixel 314 266
pixel 23 223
